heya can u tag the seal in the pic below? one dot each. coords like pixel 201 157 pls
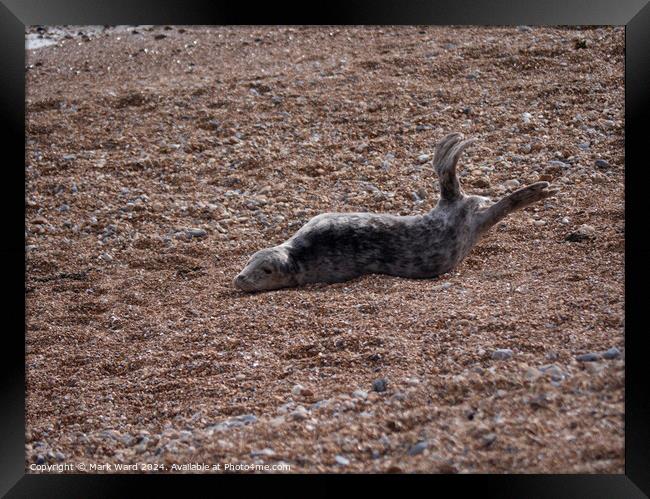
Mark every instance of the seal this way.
pixel 336 247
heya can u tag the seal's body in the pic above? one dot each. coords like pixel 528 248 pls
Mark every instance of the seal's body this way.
pixel 335 247
pixel 339 246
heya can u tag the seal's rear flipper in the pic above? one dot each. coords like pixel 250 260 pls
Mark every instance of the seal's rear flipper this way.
pixel 448 151
pixel 515 201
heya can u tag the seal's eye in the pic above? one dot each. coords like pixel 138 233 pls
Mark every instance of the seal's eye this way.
pixel 266 270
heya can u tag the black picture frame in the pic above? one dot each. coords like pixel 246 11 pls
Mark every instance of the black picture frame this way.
pixel 16 14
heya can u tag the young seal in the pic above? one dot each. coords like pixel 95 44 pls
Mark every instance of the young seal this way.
pixel 335 247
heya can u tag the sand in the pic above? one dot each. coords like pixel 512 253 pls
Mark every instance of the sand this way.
pixel 160 158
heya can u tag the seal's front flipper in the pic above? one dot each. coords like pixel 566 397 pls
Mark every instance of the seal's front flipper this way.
pixel 515 201
pixel 448 151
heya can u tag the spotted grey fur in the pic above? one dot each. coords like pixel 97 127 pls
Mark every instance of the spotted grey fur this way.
pixel 335 247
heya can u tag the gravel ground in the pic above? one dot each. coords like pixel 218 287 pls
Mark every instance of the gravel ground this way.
pixel 160 158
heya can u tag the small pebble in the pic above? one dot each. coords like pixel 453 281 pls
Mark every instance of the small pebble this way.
pixel 595 367
pixel 583 233
pixel 379 385
pixel 442 287
pixel 40 459
pixel 246 418
pixel 502 354
pixel 488 439
pixel 556 163
pixel 588 357
pixel 277 421
pixel 533 373
pixel 565 221
pixel 214 124
pixel 553 371
pixel 599 178
pixel 299 414
pixel 284 408
pixel 608 124
pixel 601 163
pixel 264 452
pixel 418 448
pixel 196 232
pixel 106 257
pixel 321 404
pixel 360 394
pixel 343 461
pixel 139 449
pixel 423 158
pixel 233 422
pixel 512 183
pixel 612 353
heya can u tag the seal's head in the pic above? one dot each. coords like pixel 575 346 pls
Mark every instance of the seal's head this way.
pixel 267 269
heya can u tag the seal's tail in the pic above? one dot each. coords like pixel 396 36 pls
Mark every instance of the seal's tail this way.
pixel 448 150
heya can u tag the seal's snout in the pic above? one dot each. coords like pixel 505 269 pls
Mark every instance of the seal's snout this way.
pixel 239 282
pixel 244 283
